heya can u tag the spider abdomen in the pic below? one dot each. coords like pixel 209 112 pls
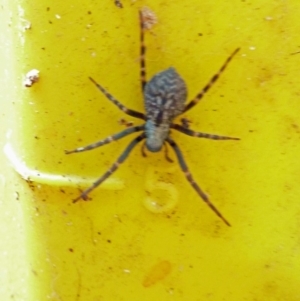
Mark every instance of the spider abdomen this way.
pixel 164 98
pixel 165 95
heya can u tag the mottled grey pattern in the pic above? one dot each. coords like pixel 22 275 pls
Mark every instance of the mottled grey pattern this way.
pixel 165 95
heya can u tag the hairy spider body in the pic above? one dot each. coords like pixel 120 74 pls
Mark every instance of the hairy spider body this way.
pixel 164 97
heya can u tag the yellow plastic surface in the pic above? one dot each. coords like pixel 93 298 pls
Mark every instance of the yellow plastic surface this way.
pixel 146 235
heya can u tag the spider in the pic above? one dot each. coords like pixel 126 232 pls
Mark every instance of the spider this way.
pixel 164 96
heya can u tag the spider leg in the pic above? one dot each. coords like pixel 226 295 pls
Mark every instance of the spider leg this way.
pixel 113 168
pixel 192 133
pixel 211 82
pixel 144 154
pixel 167 154
pixel 143 150
pixel 189 177
pixel 142 52
pixel 117 103
pixel 185 122
pixel 107 140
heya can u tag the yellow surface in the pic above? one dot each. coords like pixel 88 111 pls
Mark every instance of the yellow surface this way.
pixel 120 246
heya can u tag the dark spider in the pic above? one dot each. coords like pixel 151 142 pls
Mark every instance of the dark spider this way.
pixel 165 95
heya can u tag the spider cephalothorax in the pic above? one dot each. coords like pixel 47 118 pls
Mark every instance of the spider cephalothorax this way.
pixel 164 97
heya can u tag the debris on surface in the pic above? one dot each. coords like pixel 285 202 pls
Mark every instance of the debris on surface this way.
pixel 118 3
pixel 123 121
pixel 157 273
pixel 31 77
pixel 26 25
pixel 149 17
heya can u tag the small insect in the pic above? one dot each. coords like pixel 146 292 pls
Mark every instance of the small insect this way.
pixel 164 97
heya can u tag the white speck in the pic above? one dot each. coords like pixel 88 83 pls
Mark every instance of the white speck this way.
pixel 268 18
pixel 252 48
pixel 126 271
pixel 58 16
pixel 26 25
pixel 31 77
